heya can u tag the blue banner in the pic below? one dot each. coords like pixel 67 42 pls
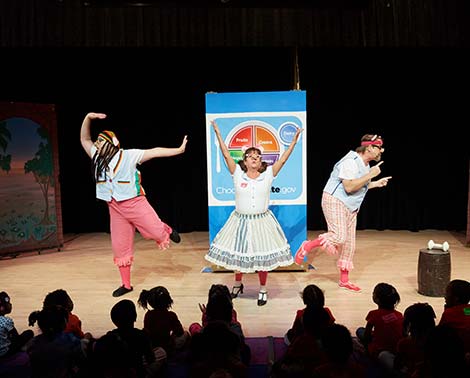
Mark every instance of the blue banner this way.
pixel 267 119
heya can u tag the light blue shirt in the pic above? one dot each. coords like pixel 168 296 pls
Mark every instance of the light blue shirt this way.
pixel 335 187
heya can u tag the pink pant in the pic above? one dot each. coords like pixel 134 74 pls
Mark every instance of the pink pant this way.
pixel 125 217
pixel 341 229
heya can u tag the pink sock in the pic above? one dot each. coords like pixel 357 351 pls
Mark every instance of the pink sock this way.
pixel 312 244
pixel 344 275
pixel 125 272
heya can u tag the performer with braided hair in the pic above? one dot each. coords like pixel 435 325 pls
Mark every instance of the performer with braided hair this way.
pixel 118 183
pixel 342 196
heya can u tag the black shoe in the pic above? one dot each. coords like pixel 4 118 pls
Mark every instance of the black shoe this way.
pixel 121 290
pixel 175 237
pixel 236 290
pixel 262 298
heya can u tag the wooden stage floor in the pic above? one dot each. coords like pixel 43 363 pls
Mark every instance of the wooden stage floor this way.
pixel 84 268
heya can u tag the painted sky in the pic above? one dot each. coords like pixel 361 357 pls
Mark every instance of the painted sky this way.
pixel 24 141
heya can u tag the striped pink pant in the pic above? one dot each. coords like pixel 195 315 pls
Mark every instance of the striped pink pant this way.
pixel 125 217
pixel 341 229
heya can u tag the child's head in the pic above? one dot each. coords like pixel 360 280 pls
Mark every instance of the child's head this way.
pixel 51 320
pixel 386 296
pixel 124 314
pixel 5 303
pixel 418 319
pixel 158 298
pixel 58 298
pixel 312 295
pixel 457 293
pixel 217 289
pixel 219 307
pixel 337 343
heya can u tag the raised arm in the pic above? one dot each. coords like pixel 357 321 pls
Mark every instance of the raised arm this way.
pixel 85 136
pixel 282 160
pixel 223 148
pixel 163 151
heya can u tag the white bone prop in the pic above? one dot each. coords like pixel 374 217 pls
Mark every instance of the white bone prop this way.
pixel 444 246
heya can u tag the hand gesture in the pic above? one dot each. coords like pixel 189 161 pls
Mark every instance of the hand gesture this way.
pixel 297 133
pixel 375 170
pixel 383 181
pixel 183 144
pixel 215 127
pixel 202 307
pixel 96 115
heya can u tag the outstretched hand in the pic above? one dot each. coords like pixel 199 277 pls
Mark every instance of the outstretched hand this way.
pixel 383 181
pixel 183 144
pixel 297 134
pixel 96 115
pixel 215 127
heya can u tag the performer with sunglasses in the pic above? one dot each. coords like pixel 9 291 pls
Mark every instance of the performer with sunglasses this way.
pixel 252 239
pixel 342 197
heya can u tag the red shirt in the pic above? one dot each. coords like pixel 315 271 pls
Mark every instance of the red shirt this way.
pixel 387 330
pixel 458 317
pixel 74 325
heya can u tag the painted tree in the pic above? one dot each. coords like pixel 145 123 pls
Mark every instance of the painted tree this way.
pixel 5 137
pixel 42 169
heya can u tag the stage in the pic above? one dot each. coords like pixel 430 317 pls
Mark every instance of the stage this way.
pixel 85 269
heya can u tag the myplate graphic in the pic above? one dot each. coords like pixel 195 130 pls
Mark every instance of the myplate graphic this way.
pixel 268 120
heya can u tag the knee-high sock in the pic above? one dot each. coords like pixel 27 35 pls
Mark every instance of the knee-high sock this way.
pixel 344 275
pixel 238 278
pixel 263 277
pixel 125 272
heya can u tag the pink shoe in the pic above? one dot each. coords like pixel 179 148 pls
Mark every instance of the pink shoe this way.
pixel 349 286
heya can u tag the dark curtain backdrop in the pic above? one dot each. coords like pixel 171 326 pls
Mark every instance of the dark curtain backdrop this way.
pixel 398 68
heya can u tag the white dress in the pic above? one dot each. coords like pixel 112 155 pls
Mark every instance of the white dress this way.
pixel 252 238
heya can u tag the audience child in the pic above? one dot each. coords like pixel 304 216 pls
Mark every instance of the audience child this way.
pixel 385 324
pixel 131 345
pixel 337 344
pixel 13 361
pixel 162 325
pixel 54 353
pixel 10 341
pixel 312 296
pixel 61 298
pixel 214 290
pixel 418 322
pixel 457 310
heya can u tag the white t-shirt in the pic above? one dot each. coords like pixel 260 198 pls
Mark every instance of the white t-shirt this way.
pixel 348 169
pixel 252 195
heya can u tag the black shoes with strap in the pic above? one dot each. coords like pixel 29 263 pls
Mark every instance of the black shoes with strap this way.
pixel 262 298
pixel 236 290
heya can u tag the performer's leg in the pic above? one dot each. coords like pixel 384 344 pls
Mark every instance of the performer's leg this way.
pixel 122 241
pixel 238 285
pixel 345 261
pixel 263 294
pixel 149 224
pixel 335 214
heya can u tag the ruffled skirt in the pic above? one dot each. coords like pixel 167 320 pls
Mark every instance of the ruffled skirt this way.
pixel 250 243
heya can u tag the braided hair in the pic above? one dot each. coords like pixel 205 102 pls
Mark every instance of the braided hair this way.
pixel 102 157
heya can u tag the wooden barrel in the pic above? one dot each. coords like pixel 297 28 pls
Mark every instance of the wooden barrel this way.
pixel 433 272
